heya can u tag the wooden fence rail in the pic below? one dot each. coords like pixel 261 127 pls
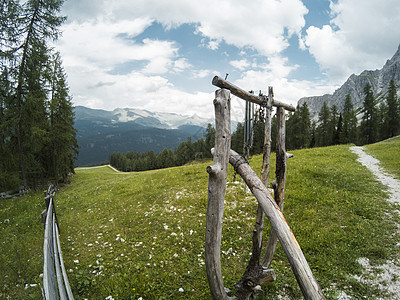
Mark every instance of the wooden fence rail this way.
pixel 55 280
pixel 13 194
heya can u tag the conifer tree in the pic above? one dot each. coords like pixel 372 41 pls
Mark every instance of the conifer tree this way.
pixel 305 126
pixel 333 123
pixel 383 121
pixel 369 123
pixel 323 132
pixel 210 138
pixel 63 143
pixel 237 138
pixel 393 112
pixel 25 30
pixel 39 22
pixel 349 124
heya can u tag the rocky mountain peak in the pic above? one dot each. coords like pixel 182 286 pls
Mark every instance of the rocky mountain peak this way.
pixel 354 85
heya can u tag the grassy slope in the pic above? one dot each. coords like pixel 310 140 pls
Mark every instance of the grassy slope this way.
pixel 388 152
pixel 142 234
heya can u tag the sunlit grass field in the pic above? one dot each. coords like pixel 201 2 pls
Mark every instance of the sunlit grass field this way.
pixel 132 235
pixel 388 152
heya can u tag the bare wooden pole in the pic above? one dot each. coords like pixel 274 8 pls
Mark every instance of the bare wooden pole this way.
pixel 267 137
pixel 254 274
pixel 223 84
pixel 216 194
pixel 279 184
pixel 300 267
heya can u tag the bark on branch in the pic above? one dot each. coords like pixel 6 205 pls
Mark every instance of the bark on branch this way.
pixel 300 267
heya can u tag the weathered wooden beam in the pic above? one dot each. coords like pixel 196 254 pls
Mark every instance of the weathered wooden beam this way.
pixel 300 267
pixel 216 194
pixel 221 83
pixel 60 282
pixel 279 186
pixel 66 284
pixel 49 282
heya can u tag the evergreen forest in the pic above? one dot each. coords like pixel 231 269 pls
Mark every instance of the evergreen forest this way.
pixel 37 136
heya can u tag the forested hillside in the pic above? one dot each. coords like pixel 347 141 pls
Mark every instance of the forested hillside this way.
pixel 36 118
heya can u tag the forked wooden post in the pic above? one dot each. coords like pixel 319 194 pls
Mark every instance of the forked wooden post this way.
pixel 216 193
pixel 279 184
pixel 255 274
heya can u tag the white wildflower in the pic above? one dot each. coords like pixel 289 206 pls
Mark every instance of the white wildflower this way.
pixel 181 290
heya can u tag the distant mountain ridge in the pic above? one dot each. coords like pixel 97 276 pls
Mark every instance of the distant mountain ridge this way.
pixel 141 117
pixel 378 79
pixel 102 132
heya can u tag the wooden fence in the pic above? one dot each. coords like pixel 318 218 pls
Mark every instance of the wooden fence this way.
pixel 257 272
pixel 15 193
pixel 55 280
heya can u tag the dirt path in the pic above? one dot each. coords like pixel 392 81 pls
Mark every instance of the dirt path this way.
pixel 373 165
pixel 388 274
pixel 96 167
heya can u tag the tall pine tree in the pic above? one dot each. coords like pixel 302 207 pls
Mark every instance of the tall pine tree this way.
pixel 63 143
pixel 369 123
pixel 30 87
pixel 393 112
pixel 323 131
pixel 349 123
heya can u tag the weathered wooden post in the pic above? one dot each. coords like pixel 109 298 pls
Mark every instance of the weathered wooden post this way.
pixel 255 274
pixel 279 184
pixel 216 193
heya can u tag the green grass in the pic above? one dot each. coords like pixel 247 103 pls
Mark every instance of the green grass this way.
pixel 131 235
pixel 388 152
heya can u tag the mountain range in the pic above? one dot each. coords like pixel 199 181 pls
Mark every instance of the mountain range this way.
pixel 102 132
pixel 378 79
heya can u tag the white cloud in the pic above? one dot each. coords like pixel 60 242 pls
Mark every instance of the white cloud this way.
pixel 240 64
pixel 99 43
pixel 362 35
pixel 260 24
pixel 202 73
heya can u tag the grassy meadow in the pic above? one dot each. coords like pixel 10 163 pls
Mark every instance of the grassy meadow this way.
pixel 141 235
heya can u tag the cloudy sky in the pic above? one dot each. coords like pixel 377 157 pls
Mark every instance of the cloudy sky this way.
pixel 161 55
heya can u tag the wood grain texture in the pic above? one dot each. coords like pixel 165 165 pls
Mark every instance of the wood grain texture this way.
pixel 216 194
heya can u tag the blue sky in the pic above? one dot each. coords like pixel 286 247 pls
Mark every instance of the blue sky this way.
pixel 161 55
